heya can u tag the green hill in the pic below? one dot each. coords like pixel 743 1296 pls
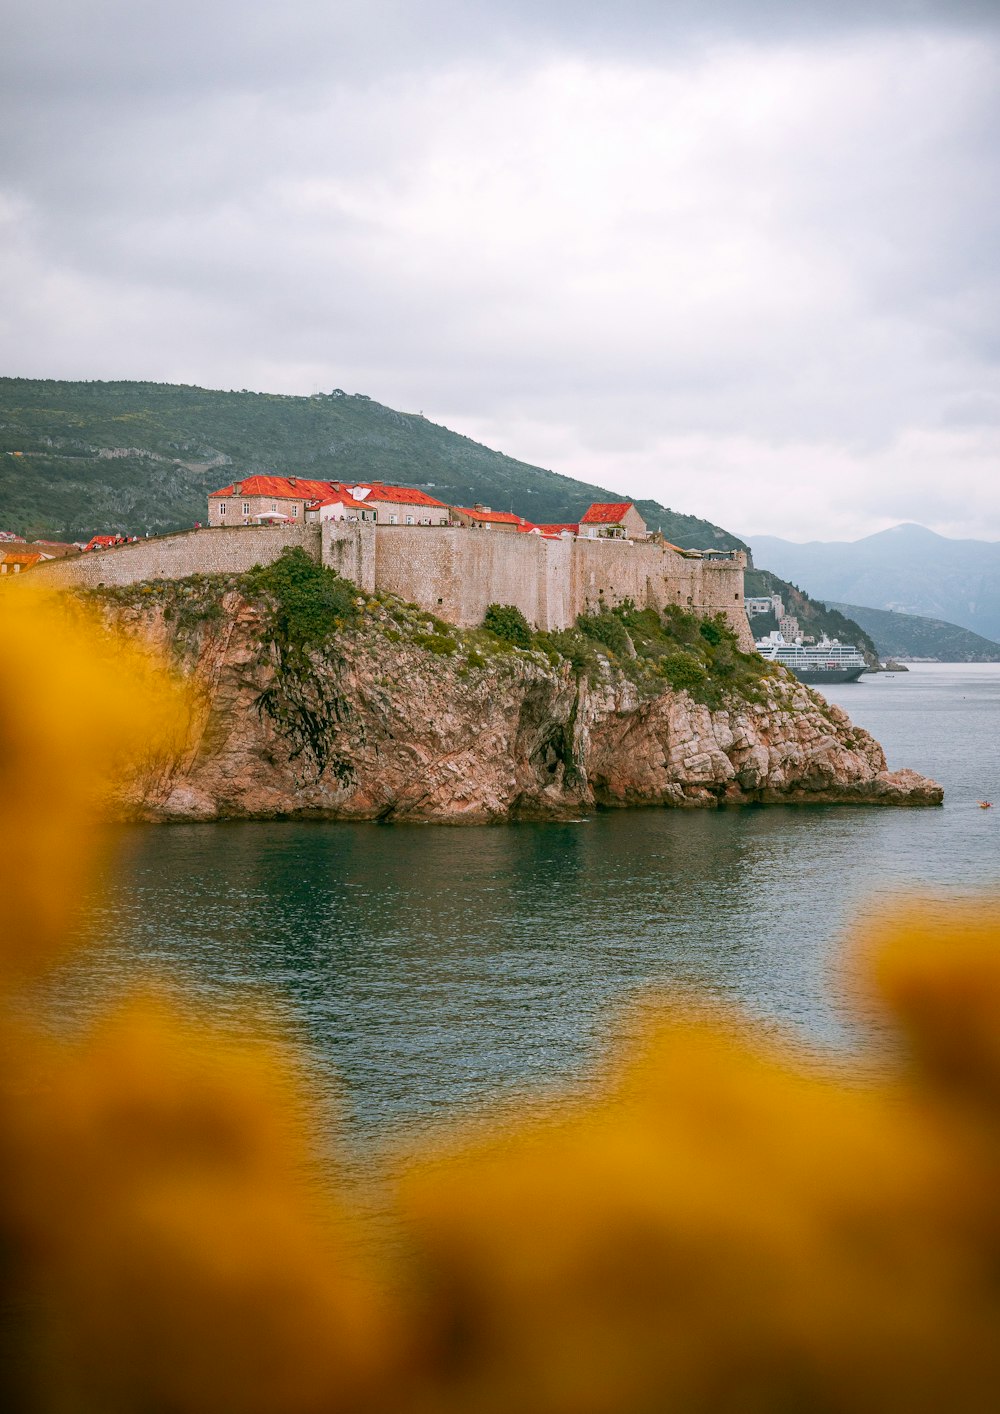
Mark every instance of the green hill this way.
pixel 83 458
pixel 911 636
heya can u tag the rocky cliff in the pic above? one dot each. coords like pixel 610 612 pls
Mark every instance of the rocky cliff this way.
pixel 397 718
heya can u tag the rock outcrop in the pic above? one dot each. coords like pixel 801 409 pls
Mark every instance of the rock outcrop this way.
pixel 378 726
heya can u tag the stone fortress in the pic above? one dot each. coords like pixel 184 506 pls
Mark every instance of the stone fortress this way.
pixel 451 561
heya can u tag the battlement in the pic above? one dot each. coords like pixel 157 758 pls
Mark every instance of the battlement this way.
pixel 451 571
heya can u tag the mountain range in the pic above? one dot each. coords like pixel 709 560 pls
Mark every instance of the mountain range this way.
pixel 906 636
pixel 908 569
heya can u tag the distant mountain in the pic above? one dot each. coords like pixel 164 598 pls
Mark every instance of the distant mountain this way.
pixel 80 458
pixel 908 569
pixel 909 636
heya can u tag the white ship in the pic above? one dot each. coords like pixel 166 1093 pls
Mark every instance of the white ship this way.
pixel 827 661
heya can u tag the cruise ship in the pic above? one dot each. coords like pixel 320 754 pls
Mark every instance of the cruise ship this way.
pixel 827 661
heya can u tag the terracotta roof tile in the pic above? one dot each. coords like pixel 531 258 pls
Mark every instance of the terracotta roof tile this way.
pixel 494 517
pixel 606 513
pixel 402 495
pixel 288 488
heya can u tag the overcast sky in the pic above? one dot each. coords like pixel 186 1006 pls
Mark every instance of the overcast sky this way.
pixel 739 255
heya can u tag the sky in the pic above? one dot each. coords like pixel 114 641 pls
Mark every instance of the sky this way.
pixel 737 255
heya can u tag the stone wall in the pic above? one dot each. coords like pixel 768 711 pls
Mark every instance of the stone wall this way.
pixel 349 550
pixel 457 573
pixel 453 572
pixel 210 551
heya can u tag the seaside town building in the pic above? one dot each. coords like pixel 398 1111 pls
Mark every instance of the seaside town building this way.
pixel 257 500
pixel 17 561
pixel 483 518
pixel 613 520
pixel 453 561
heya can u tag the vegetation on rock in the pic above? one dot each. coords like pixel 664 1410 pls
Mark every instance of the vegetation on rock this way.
pixel 508 623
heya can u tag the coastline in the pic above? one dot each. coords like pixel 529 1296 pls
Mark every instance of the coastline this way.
pixel 390 722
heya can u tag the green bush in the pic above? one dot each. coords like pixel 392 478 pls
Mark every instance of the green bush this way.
pixel 606 628
pixel 683 672
pixel 711 631
pixel 507 622
pixel 307 599
pixel 435 642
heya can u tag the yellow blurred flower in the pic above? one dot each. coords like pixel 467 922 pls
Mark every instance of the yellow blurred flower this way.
pixel 723 1225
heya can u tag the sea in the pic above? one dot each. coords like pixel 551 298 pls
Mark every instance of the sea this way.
pixel 424 971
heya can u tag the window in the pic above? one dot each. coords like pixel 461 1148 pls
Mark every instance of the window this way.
pixel 409 520
pixel 425 520
pixel 394 520
pixel 222 508
pixel 246 508
pixel 274 505
pixel 295 510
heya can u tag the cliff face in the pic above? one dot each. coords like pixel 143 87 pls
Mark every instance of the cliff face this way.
pixel 377 726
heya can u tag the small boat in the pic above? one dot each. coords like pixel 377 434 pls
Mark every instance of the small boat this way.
pixel 986 805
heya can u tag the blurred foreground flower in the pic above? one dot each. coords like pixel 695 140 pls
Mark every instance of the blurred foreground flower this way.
pixel 723 1226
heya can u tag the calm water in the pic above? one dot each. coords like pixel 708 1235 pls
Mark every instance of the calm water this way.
pixel 429 967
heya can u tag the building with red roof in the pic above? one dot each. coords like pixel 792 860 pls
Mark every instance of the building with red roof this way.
pixel 258 499
pixel 17 561
pixel 612 520
pixel 483 518
pixel 104 542
pixel 400 505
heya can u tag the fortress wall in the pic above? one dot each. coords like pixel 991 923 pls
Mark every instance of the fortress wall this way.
pixel 225 551
pixel 348 548
pixel 654 575
pixel 457 573
pixel 453 572
pixel 721 589
pixel 555 582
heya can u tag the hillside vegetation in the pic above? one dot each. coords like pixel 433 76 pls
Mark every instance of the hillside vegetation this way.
pixel 910 636
pixel 80 458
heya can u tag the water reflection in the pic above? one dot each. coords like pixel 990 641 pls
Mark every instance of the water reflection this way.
pixel 428 967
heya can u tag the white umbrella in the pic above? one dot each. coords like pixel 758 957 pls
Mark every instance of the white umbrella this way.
pixel 272 515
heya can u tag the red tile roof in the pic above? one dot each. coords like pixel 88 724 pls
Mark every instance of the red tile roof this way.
pixel 286 488
pixel 573 528
pixel 299 488
pixel 97 542
pixel 606 513
pixel 402 495
pixel 21 557
pixel 495 517
pixel 337 494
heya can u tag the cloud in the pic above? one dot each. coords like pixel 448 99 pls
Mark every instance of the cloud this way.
pixel 753 254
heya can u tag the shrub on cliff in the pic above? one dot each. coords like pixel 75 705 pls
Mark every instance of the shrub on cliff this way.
pixel 684 673
pixel 608 629
pixel 508 623
pixel 307 599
